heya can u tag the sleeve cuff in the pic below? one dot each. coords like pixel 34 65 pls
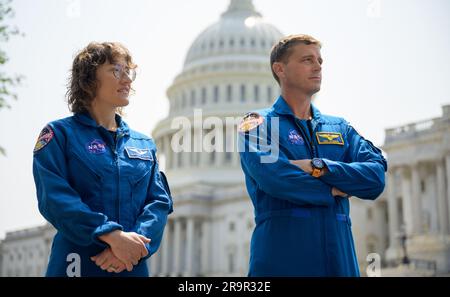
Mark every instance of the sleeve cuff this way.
pixel 103 229
pixel 330 195
pixel 149 250
pixel 331 167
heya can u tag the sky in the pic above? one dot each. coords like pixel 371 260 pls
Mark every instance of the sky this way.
pixel 386 64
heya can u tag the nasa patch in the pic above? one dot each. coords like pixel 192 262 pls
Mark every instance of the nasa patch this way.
pixel 295 138
pixel 96 147
pixel 44 138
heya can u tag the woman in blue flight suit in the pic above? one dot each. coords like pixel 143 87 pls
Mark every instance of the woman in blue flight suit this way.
pixel 98 181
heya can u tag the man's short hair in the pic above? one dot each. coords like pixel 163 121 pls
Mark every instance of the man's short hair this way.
pixel 282 49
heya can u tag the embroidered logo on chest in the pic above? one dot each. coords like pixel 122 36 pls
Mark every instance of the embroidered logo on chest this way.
pixel 96 147
pixel 295 138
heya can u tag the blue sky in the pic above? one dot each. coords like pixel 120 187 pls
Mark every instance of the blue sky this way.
pixel 386 63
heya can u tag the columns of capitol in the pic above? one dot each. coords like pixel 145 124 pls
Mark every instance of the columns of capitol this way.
pixel 406 199
pixel 205 246
pixel 189 269
pixel 177 247
pixel 442 198
pixel 416 199
pixel 165 263
pixel 393 214
pixel 447 194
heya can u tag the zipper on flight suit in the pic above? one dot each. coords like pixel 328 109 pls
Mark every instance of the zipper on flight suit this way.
pixel 308 140
pixel 313 153
pixel 116 161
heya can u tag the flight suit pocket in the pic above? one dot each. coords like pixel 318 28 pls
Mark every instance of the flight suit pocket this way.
pixel 86 181
pixel 139 188
pixel 332 152
pixel 138 165
pixel 347 259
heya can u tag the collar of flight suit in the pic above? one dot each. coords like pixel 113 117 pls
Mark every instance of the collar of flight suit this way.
pixel 282 108
pixel 86 119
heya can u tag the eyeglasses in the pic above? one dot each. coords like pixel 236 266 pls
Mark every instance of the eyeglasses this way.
pixel 119 71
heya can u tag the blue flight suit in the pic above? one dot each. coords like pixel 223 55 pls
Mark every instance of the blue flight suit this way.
pixel 301 229
pixel 91 181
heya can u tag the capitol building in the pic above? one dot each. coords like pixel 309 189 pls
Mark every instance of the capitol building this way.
pixel 226 73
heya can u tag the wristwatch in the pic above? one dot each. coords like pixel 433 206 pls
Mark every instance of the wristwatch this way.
pixel 317 165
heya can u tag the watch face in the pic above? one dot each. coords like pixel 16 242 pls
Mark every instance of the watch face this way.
pixel 318 163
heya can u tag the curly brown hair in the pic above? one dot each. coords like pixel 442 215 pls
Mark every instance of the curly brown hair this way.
pixel 82 84
pixel 282 49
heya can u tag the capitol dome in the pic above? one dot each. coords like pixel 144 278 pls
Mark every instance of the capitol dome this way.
pixel 226 73
pixel 241 32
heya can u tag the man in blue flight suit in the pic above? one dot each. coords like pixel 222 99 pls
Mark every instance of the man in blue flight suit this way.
pixel 301 167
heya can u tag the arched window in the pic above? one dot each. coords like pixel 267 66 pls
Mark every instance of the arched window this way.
pixel 256 91
pixel 231 227
pixel 203 96
pixel 263 44
pixel 269 94
pixel 193 97
pixel 243 93
pixel 216 94
pixel 229 93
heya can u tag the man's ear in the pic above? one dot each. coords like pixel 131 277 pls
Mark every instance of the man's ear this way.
pixel 278 68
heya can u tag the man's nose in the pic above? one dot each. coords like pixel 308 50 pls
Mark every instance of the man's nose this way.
pixel 317 66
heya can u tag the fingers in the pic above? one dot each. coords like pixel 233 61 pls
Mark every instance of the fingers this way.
pixel 144 239
pixel 101 258
pixel 129 266
pixel 118 269
pixel 129 251
pixel 340 193
pixel 127 261
pixel 108 261
pixel 108 264
pixel 115 265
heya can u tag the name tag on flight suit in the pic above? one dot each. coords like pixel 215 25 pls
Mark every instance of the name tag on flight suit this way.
pixel 137 153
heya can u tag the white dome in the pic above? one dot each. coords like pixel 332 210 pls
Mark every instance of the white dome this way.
pixel 241 30
pixel 226 73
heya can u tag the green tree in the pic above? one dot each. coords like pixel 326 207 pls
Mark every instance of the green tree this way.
pixel 7 81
